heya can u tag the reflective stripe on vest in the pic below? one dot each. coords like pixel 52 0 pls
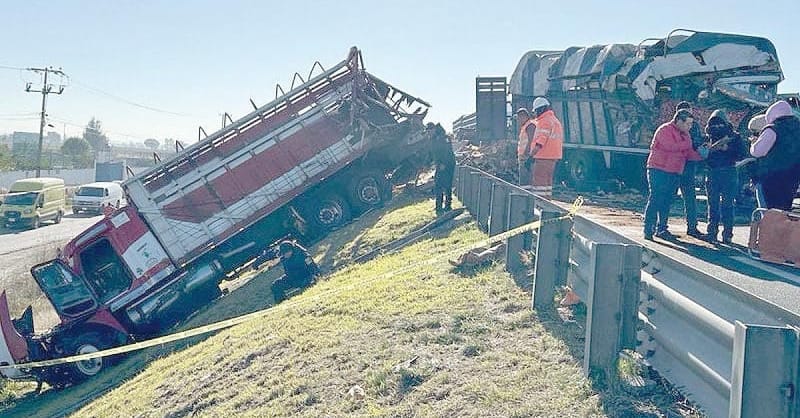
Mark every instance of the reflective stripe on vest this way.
pixel 550 135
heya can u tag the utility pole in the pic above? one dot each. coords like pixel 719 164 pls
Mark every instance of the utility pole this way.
pixel 46 89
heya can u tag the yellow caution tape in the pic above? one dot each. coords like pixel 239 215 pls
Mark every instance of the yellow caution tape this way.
pixel 205 329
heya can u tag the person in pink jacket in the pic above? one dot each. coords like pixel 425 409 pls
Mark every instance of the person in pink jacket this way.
pixel 669 151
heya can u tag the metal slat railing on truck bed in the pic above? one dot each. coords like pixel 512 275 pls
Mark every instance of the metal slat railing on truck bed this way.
pixel 314 87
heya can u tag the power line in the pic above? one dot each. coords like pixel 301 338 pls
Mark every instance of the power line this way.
pixel 6 67
pixel 130 102
pixel 45 90
pixel 76 125
pixel 19 114
pixel 29 117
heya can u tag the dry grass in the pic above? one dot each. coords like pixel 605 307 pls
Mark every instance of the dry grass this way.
pixel 22 290
pixel 417 342
pixel 400 336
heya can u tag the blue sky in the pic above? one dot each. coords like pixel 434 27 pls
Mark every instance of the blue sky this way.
pixel 194 60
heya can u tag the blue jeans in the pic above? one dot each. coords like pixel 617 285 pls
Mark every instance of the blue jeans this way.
pixel 721 185
pixel 661 190
pixel 689 195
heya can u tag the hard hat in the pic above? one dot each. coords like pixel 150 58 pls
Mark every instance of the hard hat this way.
pixel 539 102
pixel 285 247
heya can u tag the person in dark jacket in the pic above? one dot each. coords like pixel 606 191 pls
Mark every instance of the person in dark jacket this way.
pixel 687 180
pixel 725 148
pixel 445 162
pixel 299 269
pixel 778 151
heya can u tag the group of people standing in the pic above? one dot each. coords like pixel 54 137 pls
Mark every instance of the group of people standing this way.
pixel 678 147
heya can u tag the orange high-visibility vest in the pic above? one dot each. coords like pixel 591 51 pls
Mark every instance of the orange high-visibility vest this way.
pixel 522 145
pixel 550 135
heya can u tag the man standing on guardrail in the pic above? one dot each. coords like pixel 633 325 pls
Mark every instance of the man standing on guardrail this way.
pixel 526 130
pixel 670 149
pixel 546 146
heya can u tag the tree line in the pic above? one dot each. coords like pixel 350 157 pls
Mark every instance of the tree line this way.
pixel 74 152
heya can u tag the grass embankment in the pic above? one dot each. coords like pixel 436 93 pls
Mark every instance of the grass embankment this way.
pixel 403 335
pixel 377 339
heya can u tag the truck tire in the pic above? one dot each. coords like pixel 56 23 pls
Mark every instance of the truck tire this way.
pixel 59 216
pixel 35 223
pixel 581 169
pixel 89 342
pixel 368 190
pixel 327 212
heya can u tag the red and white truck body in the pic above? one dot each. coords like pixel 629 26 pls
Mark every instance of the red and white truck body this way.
pixel 315 156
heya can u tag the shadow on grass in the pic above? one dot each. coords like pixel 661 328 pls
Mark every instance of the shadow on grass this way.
pixel 251 294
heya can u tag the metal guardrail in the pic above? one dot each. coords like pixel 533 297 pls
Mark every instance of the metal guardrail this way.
pixel 732 353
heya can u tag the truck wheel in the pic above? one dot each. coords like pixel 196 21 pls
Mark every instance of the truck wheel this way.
pixel 368 191
pixel 328 212
pixel 90 342
pixel 59 216
pixel 35 222
pixel 581 169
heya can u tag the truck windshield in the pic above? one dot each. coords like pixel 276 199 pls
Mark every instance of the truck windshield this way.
pixel 90 191
pixel 66 291
pixel 21 198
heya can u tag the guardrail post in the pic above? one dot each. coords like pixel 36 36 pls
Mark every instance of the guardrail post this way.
pixel 466 199
pixel 457 181
pixel 611 306
pixel 764 377
pixel 484 202
pixel 474 190
pixel 498 214
pixel 520 212
pixel 461 175
pixel 552 259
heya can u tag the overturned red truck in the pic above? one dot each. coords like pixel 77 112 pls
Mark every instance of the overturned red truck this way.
pixel 303 164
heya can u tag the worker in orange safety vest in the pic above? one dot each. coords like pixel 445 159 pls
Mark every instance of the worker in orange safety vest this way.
pixel 526 128
pixel 546 148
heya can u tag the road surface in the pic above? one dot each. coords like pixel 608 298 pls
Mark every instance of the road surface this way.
pixel 22 249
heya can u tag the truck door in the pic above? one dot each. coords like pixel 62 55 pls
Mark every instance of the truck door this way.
pixel 69 294
pixel 104 271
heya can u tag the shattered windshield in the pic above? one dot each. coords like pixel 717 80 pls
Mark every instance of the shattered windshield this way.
pixel 90 192
pixel 21 198
pixel 67 292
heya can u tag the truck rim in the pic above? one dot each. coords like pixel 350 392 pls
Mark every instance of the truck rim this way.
pixel 89 367
pixel 579 171
pixel 369 191
pixel 330 213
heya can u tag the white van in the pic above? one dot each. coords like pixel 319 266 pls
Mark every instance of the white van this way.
pixel 93 197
